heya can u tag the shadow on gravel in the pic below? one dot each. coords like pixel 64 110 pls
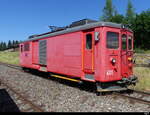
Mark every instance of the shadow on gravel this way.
pixel 86 86
pixel 6 102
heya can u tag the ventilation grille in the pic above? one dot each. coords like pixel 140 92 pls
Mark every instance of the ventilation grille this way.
pixel 42 52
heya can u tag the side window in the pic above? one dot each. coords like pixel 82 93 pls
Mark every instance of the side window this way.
pixel 26 47
pixel 89 41
pixel 130 43
pixel 124 42
pixel 112 40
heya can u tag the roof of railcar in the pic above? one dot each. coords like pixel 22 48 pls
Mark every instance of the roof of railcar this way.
pixel 78 28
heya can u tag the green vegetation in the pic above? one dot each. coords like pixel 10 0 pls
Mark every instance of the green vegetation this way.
pixel 138 50
pixel 142 56
pixel 108 11
pixel 141 28
pixel 9 45
pixel 143 75
pixel 9 57
pixel 142 51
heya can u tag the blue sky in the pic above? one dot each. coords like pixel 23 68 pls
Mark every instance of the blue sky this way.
pixel 22 18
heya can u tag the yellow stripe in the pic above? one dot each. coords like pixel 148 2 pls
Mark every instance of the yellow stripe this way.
pixel 61 77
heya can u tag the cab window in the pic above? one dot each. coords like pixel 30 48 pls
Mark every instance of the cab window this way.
pixel 130 43
pixel 89 41
pixel 124 42
pixel 26 47
pixel 112 40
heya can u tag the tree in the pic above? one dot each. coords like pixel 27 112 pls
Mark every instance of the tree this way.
pixel 9 44
pixel 130 14
pixel 117 18
pixel 16 43
pixel 13 42
pixel 0 46
pixel 4 46
pixel 141 28
pixel 108 11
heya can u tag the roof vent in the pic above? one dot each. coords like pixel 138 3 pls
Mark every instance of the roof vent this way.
pixel 55 28
pixel 82 22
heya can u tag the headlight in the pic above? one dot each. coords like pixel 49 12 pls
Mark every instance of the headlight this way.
pixel 113 61
pixel 130 59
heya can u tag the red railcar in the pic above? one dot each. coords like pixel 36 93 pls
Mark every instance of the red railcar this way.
pixel 99 52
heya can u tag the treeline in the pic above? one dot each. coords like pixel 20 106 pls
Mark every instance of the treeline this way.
pixel 9 45
pixel 139 23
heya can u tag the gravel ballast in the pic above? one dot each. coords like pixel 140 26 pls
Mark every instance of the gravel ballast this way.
pixel 54 96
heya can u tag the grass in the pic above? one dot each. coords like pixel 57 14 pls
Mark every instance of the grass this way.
pixel 142 51
pixel 142 59
pixel 143 75
pixel 9 57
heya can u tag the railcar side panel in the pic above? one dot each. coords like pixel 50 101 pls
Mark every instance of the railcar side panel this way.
pixel 99 55
pixel 64 54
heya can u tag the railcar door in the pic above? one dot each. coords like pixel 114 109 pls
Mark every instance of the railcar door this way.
pixel 126 54
pixel 88 53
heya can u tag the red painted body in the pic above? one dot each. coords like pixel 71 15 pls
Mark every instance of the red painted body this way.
pixel 67 55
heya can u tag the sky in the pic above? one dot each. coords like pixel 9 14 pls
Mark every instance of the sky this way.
pixel 22 18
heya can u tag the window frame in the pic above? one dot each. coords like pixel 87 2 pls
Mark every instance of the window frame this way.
pixel 122 42
pixel 117 33
pixel 89 46
pixel 130 37
pixel 27 47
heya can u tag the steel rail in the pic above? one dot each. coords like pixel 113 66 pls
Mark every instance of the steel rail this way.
pixel 146 55
pixel 134 98
pixel 140 92
pixel 25 100
pixel 11 65
pixel 141 65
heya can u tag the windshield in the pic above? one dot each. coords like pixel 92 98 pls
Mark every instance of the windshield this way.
pixel 112 40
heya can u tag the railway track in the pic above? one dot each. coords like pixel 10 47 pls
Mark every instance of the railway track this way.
pixel 142 65
pixel 145 55
pixel 135 95
pixel 144 58
pixel 25 105
pixel 11 65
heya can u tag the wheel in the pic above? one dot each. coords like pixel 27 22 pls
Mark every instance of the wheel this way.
pixel 100 93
